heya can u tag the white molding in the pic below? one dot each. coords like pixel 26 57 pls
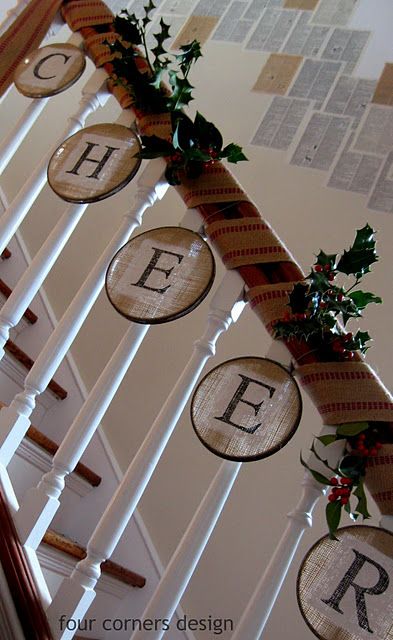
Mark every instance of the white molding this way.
pixel 42 460
pixel 63 565
pixel 10 627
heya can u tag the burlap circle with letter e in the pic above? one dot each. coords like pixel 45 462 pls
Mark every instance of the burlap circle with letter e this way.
pixel 160 275
pixel 345 586
pixel 246 408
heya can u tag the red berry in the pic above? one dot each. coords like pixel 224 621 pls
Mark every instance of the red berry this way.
pixel 344 500
pixel 373 451
pixel 322 305
pixel 350 355
pixel 333 481
pixel 378 445
pixel 331 497
pixel 340 297
pixel 327 267
pixel 346 481
pixel 362 436
pixel 331 276
pixel 366 452
pixel 318 268
pixel 348 336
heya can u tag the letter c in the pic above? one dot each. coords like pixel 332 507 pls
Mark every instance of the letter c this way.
pixel 41 62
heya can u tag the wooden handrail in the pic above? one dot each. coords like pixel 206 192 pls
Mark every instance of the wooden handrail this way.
pixel 20 581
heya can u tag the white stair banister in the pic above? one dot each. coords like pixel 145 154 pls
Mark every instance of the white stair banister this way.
pixel 77 592
pixel 14 420
pixel 94 95
pixel 32 279
pixel 257 612
pixel 40 503
pixel 186 557
pixel 15 137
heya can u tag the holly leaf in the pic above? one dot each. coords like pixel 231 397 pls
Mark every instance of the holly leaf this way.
pixel 149 7
pixel 171 175
pixel 181 92
pixel 326 258
pixel 207 133
pixel 352 428
pixel 362 298
pixel 359 341
pixel 361 506
pixel 183 131
pixel 127 29
pixel 327 439
pixel 361 255
pixel 351 466
pixel 233 153
pixel 299 298
pixel 319 477
pixel 154 147
pixel 190 53
pixel 333 516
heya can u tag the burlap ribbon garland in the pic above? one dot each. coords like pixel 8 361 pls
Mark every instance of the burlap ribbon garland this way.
pixel 245 242
pixel 379 479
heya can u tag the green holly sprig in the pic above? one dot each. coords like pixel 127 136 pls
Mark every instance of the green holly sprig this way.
pixel 319 311
pixel 320 307
pixel 361 442
pixel 193 144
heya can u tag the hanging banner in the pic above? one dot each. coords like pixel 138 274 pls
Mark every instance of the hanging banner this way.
pixel 345 586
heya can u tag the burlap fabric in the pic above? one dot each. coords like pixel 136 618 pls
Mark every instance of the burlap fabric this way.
pixel 24 35
pixel 262 260
pixel 379 479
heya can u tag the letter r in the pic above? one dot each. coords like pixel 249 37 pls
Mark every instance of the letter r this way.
pixel 348 581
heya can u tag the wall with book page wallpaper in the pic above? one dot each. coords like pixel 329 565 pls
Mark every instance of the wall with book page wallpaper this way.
pixel 292 81
pixel 322 112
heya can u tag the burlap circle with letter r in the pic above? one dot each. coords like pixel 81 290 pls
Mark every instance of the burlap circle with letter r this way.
pixel 312 571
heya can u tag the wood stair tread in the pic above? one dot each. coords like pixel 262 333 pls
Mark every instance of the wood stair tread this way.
pixel 29 315
pixel 27 362
pixel 51 447
pixel 75 550
pixel 6 254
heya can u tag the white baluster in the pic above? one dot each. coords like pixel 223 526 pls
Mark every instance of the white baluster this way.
pixel 34 276
pixel 77 592
pixel 257 612
pixel 94 95
pixel 14 420
pixel 186 557
pixel 40 503
pixel 15 137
